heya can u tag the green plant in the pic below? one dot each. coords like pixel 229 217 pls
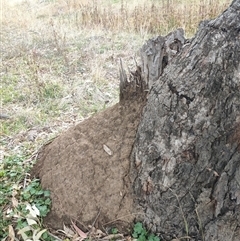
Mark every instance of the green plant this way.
pixel 34 194
pixel 141 234
pixel 29 225
pixel 11 173
pixel 23 203
pixel 35 204
pixel 114 231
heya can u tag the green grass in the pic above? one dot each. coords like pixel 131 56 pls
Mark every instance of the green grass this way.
pixel 59 65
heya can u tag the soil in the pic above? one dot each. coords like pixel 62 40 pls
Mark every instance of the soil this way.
pixel 86 168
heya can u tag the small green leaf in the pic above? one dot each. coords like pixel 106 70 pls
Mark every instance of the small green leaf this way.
pixel 114 230
pixel 43 210
pixel 26 196
pixel 45 236
pixel 141 234
pixel 138 228
pixel 40 192
pixel 156 238
pixel 46 193
pixel 142 237
pixel 48 201
pixel 152 237
pixel 135 235
pixel 2 173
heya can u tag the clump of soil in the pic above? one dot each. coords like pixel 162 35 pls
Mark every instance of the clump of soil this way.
pixel 86 169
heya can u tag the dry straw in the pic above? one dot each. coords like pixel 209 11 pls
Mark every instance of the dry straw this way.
pixel 151 16
pixel 143 16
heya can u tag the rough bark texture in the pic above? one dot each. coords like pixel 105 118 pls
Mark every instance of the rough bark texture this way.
pixel 185 164
pixel 156 53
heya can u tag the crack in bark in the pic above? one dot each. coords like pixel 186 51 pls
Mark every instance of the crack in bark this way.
pixel 173 89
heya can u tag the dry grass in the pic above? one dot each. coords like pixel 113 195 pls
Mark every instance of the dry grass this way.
pixel 145 16
pixel 60 58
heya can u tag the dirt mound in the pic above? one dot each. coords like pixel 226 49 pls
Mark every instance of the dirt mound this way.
pixel 86 168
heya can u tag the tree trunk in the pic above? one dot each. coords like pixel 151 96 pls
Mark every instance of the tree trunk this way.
pixel 185 164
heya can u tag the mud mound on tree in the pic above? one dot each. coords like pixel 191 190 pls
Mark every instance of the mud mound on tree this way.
pixel 86 168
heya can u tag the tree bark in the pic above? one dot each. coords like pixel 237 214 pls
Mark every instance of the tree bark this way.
pixel 185 164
